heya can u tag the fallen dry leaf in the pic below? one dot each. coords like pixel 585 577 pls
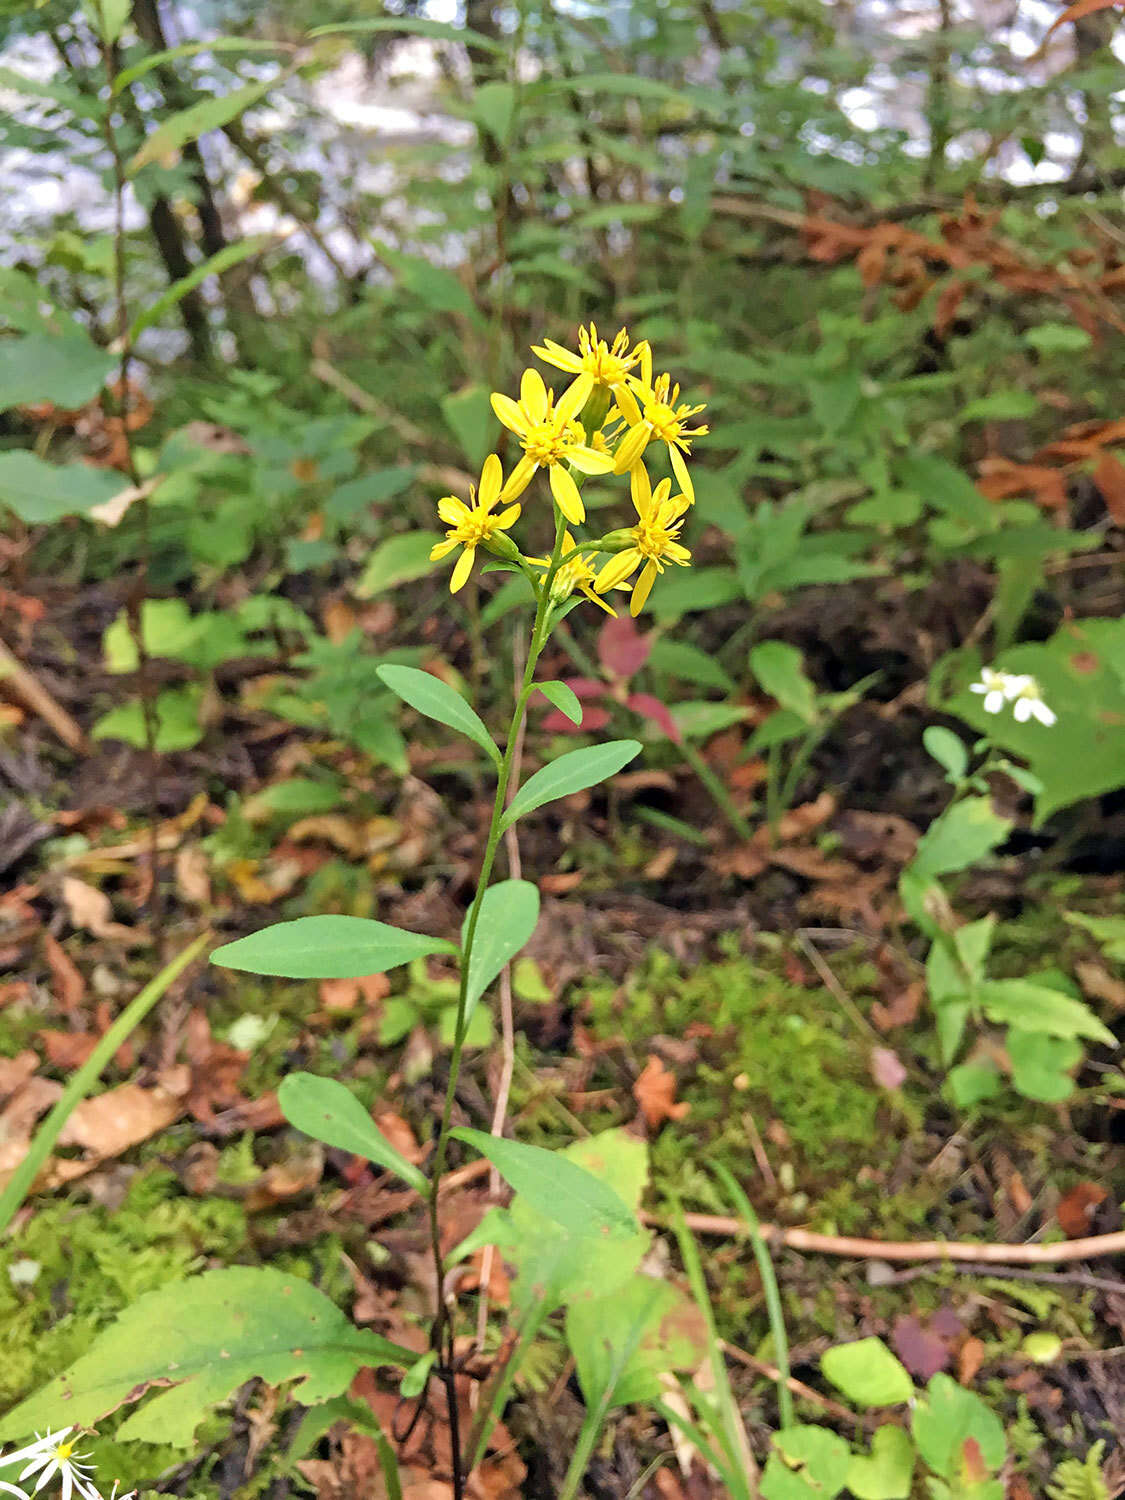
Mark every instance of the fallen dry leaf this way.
pixel 193 879
pixel 15 1071
pixel 67 1049
pixel 67 985
pixel 903 1008
pixel 110 1123
pixel 345 994
pixel 886 1068
pixel 970 1357
pixel 91 910
pixel 285 1180
pixel 1099 984
pixel 655 1092
pixel 1076 1210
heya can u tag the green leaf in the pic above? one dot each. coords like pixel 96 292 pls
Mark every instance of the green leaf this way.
pixel 810 1464
pixel 349 502
pixel 493 107
pixel 948 749
pixel 327 947
pixel 868 1373
pixel 1000 406
pixel 469 415
pixel 1107 932
pixel 624 1341
pixel 694 588
pixel 965 833
pixel 509 912
pixel 1041 1064
pixel 1035 1007
pixel 428 695
pixel 329 1112
pixel 555 1186
pixel 66 368
pixel 699 721
pixel 189 49
pixel 176 712
pixel 398 560
pixel 570 773
pixel 779 668
pixel 214 265
pixel 889 1473
pixel 108 17
pixel 40 492
pixel 1058 338
pixel 946 1418
pixel 297 797
pixel 565 699
pixel 205 1337
pixel 682 660
pixel 210 113
pixel 437 31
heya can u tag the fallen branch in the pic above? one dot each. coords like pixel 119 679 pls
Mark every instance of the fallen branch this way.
pixel 36 697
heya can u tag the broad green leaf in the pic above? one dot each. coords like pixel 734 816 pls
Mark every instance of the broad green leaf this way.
pixel 624 1341
pixel 889 1472
pixel 469 415
pixel 297 797
pixel 40 492
pixel 564 698
pixel 688 663
pixel 779 667
pixel 108 17
pixel 214 265
pixel 1058 338
pixel 699 721
pixel 330 1112
pixel 1000 406
pixel 207 114
pixel 693 588
pixel 570 773
pixel 1035 1007
pixel 438 31
pixel 811 1464
pixel 963 834
pixel 1041 1064
pixel 1108 932
pixel 189 49
pixel 555 1185
pixel 948 749
pixel 66 368
pixel 205 1337
pixel 509 912
pixel 868 1373
pixel 398 560
pixel 428 695
pixel 950 1414
pixel 352 499
pixel 327 947
pixel 176 714
pixel 493 106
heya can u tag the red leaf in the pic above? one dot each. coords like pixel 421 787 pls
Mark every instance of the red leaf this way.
pixel 922 1352
pixel 1109 476
pixel 1076 1210
pixel 593 719
pixel 586 687
pixel 652 708
pixel 622 650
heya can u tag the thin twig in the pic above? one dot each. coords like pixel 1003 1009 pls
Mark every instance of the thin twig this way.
pixel 798 1387
pixel 35 696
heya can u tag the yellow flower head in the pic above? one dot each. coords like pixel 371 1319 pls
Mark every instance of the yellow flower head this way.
pixel 653 410
pixel 652 541
pixel 474 524
pixel 551 438
pixel 578 574
pixel 596 363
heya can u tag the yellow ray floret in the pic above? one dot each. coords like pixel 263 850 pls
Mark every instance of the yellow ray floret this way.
pixel 551 438
pixel 596 362
pixel 474 524
pixel 653 539
pixel 577 573
pixel 653 410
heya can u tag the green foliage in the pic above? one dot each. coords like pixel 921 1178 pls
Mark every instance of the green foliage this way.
pixel 428 695
pixel 1080 1479
pixel 868 1373
pixel 569 773
pixel 327 947
pixel 329 1112
pixel 509 914
pixel 202 1339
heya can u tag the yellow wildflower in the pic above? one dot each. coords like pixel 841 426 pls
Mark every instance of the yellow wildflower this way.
pixel 653 410
pixel 578 574
pixel 474 524
pixel 596 363
pixel 652 541
pixel 551 438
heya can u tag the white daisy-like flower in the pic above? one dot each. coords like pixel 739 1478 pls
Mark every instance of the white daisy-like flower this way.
pixel 54 1455
pixel 1018 688
pixel 13 1489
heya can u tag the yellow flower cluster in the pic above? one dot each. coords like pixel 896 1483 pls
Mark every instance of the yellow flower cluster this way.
pixel 603 424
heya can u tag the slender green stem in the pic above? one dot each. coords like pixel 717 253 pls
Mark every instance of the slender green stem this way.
pixel 715 786
pixel 20 1183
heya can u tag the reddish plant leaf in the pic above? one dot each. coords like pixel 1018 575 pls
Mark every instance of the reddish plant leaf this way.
pixel 556 722
pixel 1109 476
pixel 1075 1212
pixel 622 650
pixel 886 1068
pixel 652 708
pixel 921 1351
pixel 655 1092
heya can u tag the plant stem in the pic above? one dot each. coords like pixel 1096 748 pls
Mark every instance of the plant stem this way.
pixel 719 794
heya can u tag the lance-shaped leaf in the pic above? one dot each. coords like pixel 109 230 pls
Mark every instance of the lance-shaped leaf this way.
pixel 572 772
pixel 508 915
pixel 210 113
pixel 327 947
pixel 555 1185
pixel 564 698
pixel 329 1112
pixel 437 700
pixel 205 1337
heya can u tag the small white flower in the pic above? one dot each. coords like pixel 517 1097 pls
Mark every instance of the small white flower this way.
pixel 12 1489
pixel 1018 688
pixel 51 1455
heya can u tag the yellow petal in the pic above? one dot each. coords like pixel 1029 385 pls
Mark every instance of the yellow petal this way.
pixel 491 480
pixel 533 395
pixel 519 479
pixel 680 469
pixel 554 354
pixel 642 588
pixel 508 517
pixel 442 549
pixel 677 553
pixel 630 448
pixel 640 487
pixel 617 570
pixel 509 413
pixel 463 568
pixel 451 510
pixel 574 399
pixel 595 599
pixel 566 495
pixel 588 460
pixel 628 404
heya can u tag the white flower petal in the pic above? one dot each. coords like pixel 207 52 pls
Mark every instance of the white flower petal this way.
pixel 1023 710
pixel 994 702
pixel 1043 713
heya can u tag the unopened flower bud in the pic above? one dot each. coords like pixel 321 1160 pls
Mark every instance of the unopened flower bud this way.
pixel 614 541
pixel 596 410
pixel 501 545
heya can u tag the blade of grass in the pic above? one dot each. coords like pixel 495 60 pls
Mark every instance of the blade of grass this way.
pixel 774 1310
pixel 21 1180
